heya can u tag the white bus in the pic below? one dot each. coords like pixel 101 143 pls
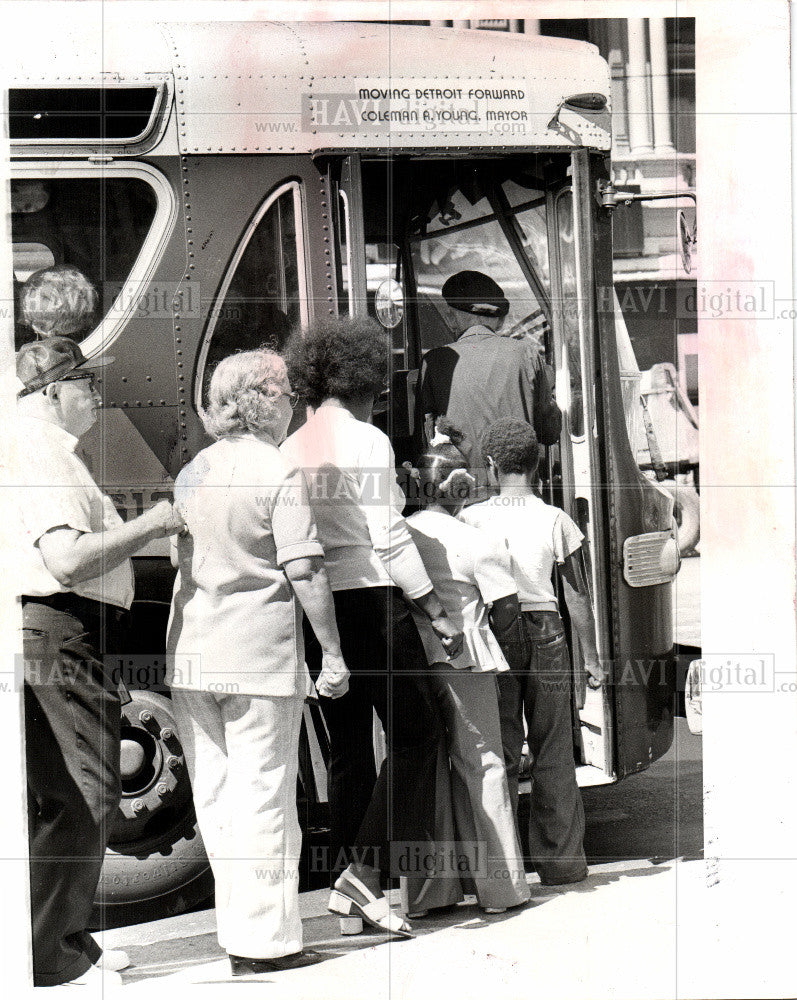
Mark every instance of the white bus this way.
pixel 224 183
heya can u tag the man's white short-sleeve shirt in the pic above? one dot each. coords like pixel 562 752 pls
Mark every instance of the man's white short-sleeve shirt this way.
pixel 57 490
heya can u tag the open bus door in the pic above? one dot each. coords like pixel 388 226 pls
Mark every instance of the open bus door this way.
pixel 404 225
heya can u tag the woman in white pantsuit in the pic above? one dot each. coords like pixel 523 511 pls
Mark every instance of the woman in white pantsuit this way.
pixel 237 668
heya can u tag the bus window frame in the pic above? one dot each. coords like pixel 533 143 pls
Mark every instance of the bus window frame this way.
pixel 566 377
pixel 343 220
pixel 350 186
pixel 414 347
pixel 505 215
pixel 144 142
pixel 295 185
pixel 149 256
pixel 507 219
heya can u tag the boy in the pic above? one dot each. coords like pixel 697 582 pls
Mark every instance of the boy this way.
pixel 537 535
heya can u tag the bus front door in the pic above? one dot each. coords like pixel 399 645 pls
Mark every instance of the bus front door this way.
pixel 404 226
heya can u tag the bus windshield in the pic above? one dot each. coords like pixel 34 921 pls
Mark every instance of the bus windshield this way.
pixel 490 225
pixel 424 220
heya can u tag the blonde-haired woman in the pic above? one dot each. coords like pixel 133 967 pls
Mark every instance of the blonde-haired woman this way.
pixel 237 674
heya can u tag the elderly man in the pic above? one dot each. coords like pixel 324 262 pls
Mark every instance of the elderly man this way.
pixel 484 376
pixel 77 586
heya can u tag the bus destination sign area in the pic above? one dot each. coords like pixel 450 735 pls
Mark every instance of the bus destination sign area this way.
pixel 419 105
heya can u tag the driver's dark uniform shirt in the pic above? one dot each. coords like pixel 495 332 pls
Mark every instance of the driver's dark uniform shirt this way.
pixel 483 377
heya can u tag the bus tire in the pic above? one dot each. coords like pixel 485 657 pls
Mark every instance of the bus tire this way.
pixel 168 880
pixel 686 513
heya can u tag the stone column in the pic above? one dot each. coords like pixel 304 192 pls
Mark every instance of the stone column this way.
pixel 640 133
pixel 616 47
pixel 662 131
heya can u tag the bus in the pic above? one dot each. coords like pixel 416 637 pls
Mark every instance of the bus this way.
pixel 222 184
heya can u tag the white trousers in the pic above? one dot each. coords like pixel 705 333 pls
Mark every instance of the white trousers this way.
pixel 472 801
pixel 242 756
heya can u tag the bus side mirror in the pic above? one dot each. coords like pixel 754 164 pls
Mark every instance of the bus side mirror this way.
pixel 687 238
pixel 389 303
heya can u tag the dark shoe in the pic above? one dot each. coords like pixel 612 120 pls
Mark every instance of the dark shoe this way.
pixel 257 966
pixel 565 879
pixel 525 768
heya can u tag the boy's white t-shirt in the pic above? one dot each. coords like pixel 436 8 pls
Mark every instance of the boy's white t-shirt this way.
pixel 536 534
pixel 469 570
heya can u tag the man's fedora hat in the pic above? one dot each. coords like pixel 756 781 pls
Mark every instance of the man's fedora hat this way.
pixel 44 361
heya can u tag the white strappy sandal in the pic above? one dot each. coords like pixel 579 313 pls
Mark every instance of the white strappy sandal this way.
pixel 375 911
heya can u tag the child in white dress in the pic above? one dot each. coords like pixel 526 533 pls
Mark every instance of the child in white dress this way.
pixel 471 573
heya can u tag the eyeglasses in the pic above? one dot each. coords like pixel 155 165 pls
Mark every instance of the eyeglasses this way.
pixel 81 377
pixel 293 397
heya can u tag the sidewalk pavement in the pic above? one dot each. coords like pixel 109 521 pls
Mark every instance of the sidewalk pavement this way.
pixel 623 933
pixel 686 602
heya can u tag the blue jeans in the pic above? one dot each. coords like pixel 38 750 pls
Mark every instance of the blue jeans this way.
pixel 542 692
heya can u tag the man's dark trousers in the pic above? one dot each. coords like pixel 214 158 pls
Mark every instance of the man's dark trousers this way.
pixel 72 726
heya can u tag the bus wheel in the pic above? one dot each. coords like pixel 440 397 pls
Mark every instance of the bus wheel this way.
pixel 686 513
pixel 162 883
pixel 155 865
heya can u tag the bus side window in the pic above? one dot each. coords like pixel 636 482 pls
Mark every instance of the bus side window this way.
pixel 258 304
pixel 96 224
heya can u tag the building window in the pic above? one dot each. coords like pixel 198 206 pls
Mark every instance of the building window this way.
pixel 576 28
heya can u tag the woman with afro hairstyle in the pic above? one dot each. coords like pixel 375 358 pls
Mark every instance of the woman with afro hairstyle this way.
pixel 472 574
pixel 340 366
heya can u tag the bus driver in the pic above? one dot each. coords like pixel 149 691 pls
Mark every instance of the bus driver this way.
pixel 484 375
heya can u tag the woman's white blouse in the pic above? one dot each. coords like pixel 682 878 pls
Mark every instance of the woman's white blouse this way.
pixel 235 624
pixel 351 473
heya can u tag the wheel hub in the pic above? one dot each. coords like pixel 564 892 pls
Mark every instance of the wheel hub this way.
pixel 152 763
pixel 132 759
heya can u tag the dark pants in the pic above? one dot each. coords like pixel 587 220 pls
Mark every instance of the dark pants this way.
pixel 542 691
pixel 72 721
pixel 384 653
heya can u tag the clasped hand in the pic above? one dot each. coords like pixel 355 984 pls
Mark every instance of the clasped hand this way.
pixel 333 681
